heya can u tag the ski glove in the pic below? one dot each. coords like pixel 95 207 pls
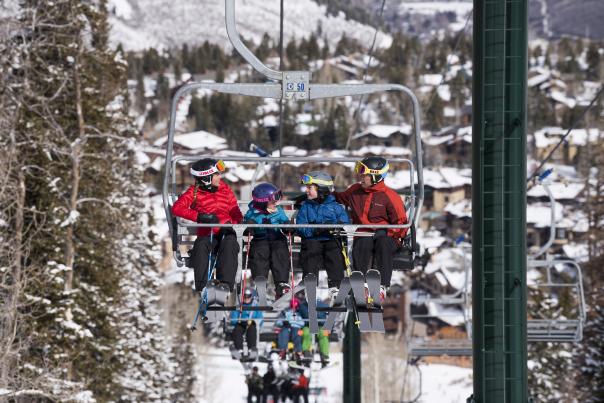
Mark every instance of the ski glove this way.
pixel 207 218
pixel 380 233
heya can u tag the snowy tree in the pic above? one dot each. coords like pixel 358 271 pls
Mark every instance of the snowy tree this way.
pixel 590 360
pixel 92 283
pixel 546 360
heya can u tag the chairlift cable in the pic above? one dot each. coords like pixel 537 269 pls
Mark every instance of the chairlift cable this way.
pixel 572 126
pixel 356 113
pixel 461 34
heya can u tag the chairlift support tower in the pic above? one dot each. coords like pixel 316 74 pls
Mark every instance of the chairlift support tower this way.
pixel 499 258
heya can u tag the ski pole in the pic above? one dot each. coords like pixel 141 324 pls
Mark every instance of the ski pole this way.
pixel 247 259
pixel 204 297
pixel 348 272
pixel 291 262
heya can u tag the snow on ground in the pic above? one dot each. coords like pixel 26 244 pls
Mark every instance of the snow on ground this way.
pixel 433 7
pixel 445 383
pixel 221 379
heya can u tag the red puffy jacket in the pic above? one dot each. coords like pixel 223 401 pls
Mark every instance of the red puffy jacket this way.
pixel 377 204
pixel 222 203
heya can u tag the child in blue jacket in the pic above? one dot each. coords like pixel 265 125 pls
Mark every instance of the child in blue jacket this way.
pixel 268 249
pixel 244 322
pixel 319 248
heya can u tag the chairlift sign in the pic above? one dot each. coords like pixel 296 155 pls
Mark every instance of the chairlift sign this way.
pixel 296 85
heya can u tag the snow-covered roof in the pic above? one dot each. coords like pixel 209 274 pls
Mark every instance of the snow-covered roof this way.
pixel 540 215
pixel 199 140
pixel 562 98
pixel 577 252
pixel 384 131
pixel 551 135
pixel 461 209
pixel 560 191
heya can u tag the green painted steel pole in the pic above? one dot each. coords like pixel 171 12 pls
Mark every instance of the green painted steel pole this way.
pixel 499 201
pixel 352 361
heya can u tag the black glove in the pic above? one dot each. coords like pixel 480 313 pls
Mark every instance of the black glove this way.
pixel 266 220
pixel 207 218
pixel 380 233
pixel 288 231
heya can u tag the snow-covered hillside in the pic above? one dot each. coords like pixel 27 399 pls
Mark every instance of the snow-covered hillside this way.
pixel 140 24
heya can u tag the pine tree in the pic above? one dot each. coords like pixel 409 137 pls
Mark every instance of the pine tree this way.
pixel 590 360
pixel 82 202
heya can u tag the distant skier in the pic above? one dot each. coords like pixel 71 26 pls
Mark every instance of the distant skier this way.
pixel 244 322
pixel 319 248
pixel 270 385
pixel 254 386
pixel 300 387
pixel 372 202
pixel 268 249
pixel 211 201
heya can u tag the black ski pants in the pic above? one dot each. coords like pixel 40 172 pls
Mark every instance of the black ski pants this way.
pixel 380 251
pixel 270 255
pixel 249 330
pixel 315 254
pixel 224 247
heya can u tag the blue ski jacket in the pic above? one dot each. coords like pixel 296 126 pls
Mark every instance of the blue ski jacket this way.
pixel 313 212
pixel 261 217
pixel 293 317
pixel 237 316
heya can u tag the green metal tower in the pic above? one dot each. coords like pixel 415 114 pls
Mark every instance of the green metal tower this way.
pixel 352 361
pixel 499 201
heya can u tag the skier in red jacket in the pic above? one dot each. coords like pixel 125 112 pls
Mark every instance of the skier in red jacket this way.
pixel 211 201
pixel 372 202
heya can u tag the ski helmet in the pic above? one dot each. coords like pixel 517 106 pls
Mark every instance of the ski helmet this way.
pixel 204 170
pixel 248 292
pixel 376 167
pixel 321 179
pixel 264 193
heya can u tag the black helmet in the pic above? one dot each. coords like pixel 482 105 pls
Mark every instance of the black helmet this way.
pixel 377 167
pixel 204 169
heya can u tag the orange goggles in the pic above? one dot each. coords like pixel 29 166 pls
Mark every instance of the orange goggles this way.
pixel 218 167
pixel 363 169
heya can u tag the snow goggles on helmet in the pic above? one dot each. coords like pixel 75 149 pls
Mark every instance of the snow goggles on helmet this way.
pixel 272 197
pixel 309 180
pixel 216 168
pixel 363 169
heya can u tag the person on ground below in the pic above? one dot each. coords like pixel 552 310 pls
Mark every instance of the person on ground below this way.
pixel 254 386
pixel 268 248
pixel 372 202
pixel 319 248
pixel 244 322
pixel 300 387
pixel 270 385
pixel 211 201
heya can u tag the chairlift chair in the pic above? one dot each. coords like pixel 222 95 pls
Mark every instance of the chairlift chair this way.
pixel 289 85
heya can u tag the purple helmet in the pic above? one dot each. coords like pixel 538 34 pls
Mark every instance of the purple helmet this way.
pixel 264 193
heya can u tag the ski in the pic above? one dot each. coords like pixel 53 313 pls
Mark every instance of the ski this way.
pixel 261 290
pixel 357 281
pixel 339 302
pixel 373 283
pixel 310 282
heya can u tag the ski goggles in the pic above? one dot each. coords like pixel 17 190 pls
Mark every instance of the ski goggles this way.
pixel 273 197
pixel 309 180
pixel 217 168
pixel 363 169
